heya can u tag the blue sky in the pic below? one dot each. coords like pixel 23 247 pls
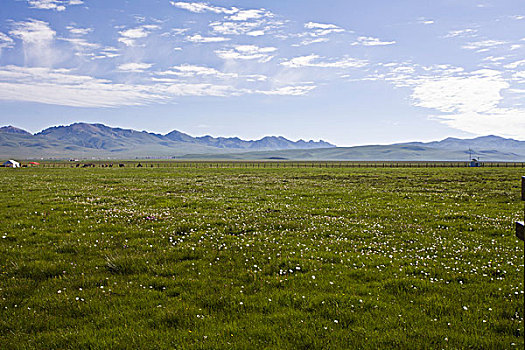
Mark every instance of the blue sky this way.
pixel 349 72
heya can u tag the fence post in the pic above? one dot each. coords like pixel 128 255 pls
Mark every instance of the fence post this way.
pixel 520 228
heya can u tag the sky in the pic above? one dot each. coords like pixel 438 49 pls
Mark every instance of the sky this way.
pixel 350 72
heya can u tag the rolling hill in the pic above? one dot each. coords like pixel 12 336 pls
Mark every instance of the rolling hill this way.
pixel 398 152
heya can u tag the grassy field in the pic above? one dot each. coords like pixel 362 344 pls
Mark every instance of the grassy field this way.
pixel 223 258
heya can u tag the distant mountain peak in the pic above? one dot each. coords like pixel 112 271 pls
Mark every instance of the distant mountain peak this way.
pixel 14 130
pixel 485 138
pixel 492 137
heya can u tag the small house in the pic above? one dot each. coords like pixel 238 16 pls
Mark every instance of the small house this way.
pixel 474 163
pixel 12 164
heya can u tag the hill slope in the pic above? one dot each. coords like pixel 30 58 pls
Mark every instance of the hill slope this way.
pixel 496 149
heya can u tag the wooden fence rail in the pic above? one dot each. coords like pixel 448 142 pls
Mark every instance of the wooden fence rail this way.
pixel 274 164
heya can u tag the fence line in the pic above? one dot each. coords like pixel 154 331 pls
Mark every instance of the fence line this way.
pixel 277 164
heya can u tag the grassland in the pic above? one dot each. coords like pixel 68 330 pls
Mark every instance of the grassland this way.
pixel 223 258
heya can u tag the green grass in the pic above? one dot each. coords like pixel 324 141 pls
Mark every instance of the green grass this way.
pixel 260 258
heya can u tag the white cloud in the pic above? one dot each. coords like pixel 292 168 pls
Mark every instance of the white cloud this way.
pixel 201 73
pixel 33 32
pixel 471 102
pixel 494 59
pixel 178 31
pixel 519 77
pixel 469 32
pixel 483 45
pixel 371 41
pixel 426 21
pixel 504 122
pixel 186 89
pixel 5 41
pixel 307 42
pixel 245 15
pixel 255 77
pixel 322 29
pixel 79 31
pixel 202 89
pixel 200 7
pixel 252 22
pixel 57 5
pixel 81 43
pixel 234 13
pixel 82 47
pixel 129 37
pixel 191 71
pixel 134 67
pixel 247 52
pixel 407 74
pixel 61 87
pixel 197 38
pixel 235 28
pixel 313 61
pixel 38 39
pixel 256 33
pixel 134 33
pixel 477 92
pixel 289 90
pixel 107 52
pixel 127 41
pixel 64 87
pixel 313 25
pixel 515 64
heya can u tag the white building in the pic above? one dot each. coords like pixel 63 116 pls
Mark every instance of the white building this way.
pixel 12 164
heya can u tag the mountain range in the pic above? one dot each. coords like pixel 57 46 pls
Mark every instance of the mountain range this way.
pixel 98 141
pixel 495 149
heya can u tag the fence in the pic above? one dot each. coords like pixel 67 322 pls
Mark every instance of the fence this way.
pixel 276 164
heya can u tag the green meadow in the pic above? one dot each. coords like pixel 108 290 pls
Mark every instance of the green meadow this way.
pixel 240 258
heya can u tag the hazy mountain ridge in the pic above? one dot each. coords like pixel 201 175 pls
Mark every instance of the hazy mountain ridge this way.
pixel 13 130
pixel 82 140
pixel 485 148
pixel 400 152
pixel 98 140
pixel 483 142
